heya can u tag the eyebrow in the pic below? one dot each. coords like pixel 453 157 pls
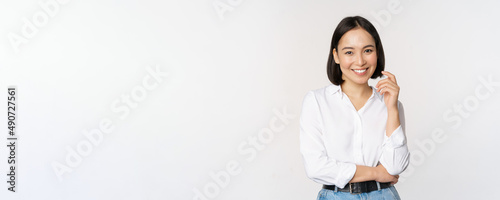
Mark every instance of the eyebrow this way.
pixel 363 47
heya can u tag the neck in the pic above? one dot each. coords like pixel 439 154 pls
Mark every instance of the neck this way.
pixel 356 90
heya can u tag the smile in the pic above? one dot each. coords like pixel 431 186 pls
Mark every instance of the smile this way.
pixel 360 71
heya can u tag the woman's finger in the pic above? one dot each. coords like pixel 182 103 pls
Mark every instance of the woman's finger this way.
pixel 385 85
pixel 386 80
pixel 390 76
pixel 389 88
pixel 381 82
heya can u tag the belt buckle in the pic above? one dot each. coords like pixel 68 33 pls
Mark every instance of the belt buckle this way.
pixel 350 189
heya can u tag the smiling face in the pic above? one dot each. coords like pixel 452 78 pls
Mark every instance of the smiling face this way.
pixel 357 56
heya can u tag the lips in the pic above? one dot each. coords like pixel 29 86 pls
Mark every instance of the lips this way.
pixel 360 72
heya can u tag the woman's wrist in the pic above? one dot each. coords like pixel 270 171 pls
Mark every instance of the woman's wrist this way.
pixel 376 172
pixel 393 108
pixel 364 173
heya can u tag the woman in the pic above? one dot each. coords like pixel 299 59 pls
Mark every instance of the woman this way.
pixel 352 135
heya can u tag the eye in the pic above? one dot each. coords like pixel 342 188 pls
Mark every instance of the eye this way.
pixel 368 51
pixel 348 52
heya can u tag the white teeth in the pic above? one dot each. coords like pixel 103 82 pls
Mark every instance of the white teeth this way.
pixel 360 71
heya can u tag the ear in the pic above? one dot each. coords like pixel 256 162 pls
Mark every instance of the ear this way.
pixel 335 56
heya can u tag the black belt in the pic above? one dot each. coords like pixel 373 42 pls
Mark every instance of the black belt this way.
pixel 356 188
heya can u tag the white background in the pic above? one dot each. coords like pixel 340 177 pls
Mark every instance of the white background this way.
pixel 229 72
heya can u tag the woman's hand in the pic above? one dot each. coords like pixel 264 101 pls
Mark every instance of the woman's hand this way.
pixel 383 176
pixel 390 89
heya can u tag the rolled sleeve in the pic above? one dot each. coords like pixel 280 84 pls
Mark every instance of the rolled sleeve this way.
pixel 318 166
pixel 395 155
pixel 397 139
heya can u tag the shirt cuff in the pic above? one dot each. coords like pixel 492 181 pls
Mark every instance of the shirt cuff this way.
pixel 397 139
pixel 348 173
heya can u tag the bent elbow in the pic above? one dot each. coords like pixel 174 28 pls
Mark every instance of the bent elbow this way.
pixel 312 174
pixel 399 167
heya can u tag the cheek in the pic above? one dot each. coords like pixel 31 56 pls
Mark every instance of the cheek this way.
pixel 372 59
pixel 346 62
pixel 344 66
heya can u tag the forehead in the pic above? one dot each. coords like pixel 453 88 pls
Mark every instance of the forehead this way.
pixel 356 38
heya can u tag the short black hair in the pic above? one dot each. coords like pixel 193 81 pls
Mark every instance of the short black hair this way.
pixel 347 24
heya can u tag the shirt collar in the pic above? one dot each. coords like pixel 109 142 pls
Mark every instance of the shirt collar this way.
pixel 332 89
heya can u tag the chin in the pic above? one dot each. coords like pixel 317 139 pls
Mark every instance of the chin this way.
pixel 362 82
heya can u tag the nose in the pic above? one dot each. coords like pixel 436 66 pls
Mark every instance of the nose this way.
pixel 360 60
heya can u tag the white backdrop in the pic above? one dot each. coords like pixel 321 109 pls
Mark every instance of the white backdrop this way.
pixel 201 99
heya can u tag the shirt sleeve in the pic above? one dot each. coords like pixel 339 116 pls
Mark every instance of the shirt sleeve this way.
pixel 395 155
pixel 318 166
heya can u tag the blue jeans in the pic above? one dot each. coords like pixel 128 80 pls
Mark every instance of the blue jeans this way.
pixel 383 194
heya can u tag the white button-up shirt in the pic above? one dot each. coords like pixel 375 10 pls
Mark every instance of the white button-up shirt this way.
pixel 335 137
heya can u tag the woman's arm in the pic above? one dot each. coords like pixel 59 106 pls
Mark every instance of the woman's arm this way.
pixel 390 89
pixel 392 120
pixel 378 173
pixel 395 155
pixel 318 165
